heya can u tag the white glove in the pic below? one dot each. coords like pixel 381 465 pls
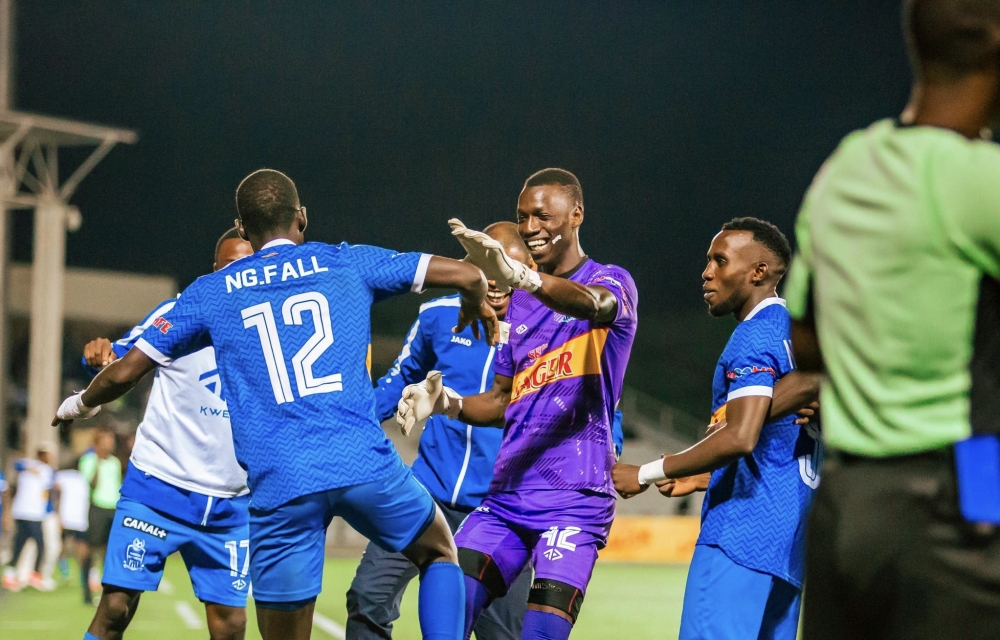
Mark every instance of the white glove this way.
pixel 73 408
pixel 488 254
pixel 424 399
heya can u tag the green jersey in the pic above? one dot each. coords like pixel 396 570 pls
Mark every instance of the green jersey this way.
pixel 897 236
pixel 109 479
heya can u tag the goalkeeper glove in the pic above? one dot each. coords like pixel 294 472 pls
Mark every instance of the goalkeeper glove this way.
pixel 488 254
pixel 424 399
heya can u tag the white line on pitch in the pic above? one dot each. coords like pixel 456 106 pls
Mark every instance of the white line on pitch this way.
pixel 328 625
pixel 166 587
pixel 187 614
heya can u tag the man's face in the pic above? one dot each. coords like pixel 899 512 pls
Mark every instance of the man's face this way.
pixel 232 250
pixel 105 444
pixel 547 218
pixel 727 278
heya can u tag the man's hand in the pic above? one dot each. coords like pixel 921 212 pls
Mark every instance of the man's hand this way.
pixel 420 401
pixel 98 353
pixel 73 408
pixel 488 254
pixel 679 487
pixel 471 317
pixel 807 414
pixel 626 479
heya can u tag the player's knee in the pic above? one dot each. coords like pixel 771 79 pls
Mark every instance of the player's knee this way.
pixel 227 623
pixel 481 567
pixel 549 594
pixel 115 610
pixel 436 544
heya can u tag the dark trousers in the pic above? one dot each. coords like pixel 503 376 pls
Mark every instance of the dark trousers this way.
pixel 25 530
pixel 378 586
pixel 889 556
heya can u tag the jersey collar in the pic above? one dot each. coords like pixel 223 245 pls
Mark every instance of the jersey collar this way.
pixel 766 302
pixel 276 242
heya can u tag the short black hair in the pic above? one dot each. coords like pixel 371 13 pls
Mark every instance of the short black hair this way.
pixel 266 201
pixel 950 39
pixel 766 234
pixel 228 235
pixel 552 175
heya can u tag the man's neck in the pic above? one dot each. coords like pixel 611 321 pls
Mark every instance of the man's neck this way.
pixel 964 105
pixel 759 295
pixel 258 243
pixel 570 260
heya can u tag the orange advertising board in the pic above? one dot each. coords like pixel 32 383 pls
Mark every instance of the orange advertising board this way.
pixel 652 539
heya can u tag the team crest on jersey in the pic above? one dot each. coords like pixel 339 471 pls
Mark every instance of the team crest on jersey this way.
pixel 161 324
pixel 135 555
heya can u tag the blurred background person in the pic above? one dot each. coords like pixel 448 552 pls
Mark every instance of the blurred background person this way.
pixel 103 472
pixel 31 504
pixel 73 509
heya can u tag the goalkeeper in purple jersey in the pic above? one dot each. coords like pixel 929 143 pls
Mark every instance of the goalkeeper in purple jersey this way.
pixel 557 381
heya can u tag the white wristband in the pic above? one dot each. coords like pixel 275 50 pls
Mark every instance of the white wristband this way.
pixel 532 282
pixel 651 472
pixel 73 408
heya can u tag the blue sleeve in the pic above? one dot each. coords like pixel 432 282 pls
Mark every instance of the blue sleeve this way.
pixel 752 365
pixel 616 433
pixel 387 273
pixel 127 341
pixel 19 466
pixel 180 331
pixel 412 364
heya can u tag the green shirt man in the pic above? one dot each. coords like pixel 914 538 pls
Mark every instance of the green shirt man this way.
pixel 895 238
pixel 104 493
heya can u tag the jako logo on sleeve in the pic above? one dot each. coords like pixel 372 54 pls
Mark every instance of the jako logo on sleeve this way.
pixel 739 372
pixel 161 324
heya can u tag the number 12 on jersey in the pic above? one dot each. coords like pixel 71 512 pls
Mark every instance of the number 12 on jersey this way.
pixel 261 317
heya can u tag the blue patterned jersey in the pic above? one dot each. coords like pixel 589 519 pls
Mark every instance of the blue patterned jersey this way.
pixel 291 328
pixel 755 508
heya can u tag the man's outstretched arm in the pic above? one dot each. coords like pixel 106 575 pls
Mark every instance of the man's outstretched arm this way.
pixel 573 299
pixel 422 400
pixel 117 379
pixel 487 409
pixel 472 287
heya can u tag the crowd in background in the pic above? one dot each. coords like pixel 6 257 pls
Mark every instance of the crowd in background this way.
pixel 53 513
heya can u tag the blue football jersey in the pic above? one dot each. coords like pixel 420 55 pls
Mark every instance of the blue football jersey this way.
pixel 755 509
pixel 291 330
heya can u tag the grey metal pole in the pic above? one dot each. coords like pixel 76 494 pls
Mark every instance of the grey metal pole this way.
pixel 7 187
pixel 45 349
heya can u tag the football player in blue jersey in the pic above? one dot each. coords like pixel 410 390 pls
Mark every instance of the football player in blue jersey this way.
pixel 183 489
pixel 745 579
pixel 291 328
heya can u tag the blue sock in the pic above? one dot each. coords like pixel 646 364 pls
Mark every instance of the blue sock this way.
pixel 476 599
pixel 442 601
pixel 89 636
pixel 539 625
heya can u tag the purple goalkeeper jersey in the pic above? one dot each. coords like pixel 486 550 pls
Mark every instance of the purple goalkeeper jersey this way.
pixel 568 377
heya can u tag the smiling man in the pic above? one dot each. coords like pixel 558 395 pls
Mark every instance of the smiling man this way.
pixel 746 576
pixel 557 382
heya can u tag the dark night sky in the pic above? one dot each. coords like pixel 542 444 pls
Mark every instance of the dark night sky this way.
pixel 393 117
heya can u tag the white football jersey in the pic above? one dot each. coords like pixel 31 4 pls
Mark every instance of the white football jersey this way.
pixel 185 438
pixel 34 481
pixel 74 499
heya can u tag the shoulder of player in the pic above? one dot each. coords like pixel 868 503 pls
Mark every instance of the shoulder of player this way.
pixel 434 311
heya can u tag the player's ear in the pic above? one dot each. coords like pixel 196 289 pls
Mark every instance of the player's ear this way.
pixel 238 223
pixel 760 273
pixel 303 219
pixel 576 218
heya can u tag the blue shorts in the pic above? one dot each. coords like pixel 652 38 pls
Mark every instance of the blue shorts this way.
pixel 287 543
pixel 723 600
pixel 141 539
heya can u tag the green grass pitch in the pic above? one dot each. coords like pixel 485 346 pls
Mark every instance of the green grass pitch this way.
pixel 638 602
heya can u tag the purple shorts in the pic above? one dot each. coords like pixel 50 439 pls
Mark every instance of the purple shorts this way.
pixel 559 531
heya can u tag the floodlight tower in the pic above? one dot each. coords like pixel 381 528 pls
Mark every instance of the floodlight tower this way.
pixel 29 179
